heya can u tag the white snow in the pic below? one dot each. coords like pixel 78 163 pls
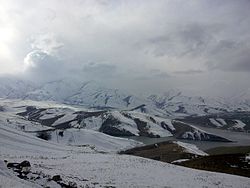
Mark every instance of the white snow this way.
pixel 248 157
pixel 93 122
pixel 17 122
pixel 158 130
pixel 239 124
pixel 216 123
pixel 154 128
pixel 47 116
pixel 66 118
pixel 95 95
pixel 190 148
pixel 179 161
pixel 167 121
pixel 126 123
pixel 192 126
pixel 77 163
pixel 122 118
pixel 222 121
pixel 9 180
pixel 196 133
pixel 94 139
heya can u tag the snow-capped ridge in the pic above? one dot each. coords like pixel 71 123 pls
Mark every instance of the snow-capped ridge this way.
pixel 92 94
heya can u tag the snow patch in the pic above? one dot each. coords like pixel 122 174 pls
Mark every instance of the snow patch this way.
pixel 66 118
pixel 190 148
pixel 216 123
pixel 98 140
pixel 239 124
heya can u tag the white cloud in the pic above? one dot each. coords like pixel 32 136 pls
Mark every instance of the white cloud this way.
pixel 125 40
pixel 46 43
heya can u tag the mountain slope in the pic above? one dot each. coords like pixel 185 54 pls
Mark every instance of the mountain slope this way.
pixel 86 167
pixel 172 103
pixel 42 117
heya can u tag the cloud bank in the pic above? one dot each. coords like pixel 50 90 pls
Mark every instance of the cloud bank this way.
pixel 198 46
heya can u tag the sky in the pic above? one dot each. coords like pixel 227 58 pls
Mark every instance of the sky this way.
pixel 198 46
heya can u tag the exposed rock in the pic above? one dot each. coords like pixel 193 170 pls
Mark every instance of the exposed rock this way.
pixel 24 164
pixel 57 178
pixel 25 167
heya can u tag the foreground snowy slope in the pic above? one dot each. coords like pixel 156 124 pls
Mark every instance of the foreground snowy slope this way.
pixel 8 179
pixel 85 166
pixel 96 140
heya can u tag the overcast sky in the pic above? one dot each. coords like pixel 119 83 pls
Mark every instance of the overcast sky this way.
pixel 200 46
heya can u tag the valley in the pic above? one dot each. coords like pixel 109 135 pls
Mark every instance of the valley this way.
pixel 124 94
pixel 60 164
pixel 41 129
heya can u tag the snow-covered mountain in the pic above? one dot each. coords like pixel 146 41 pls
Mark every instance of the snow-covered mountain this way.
pixel 80 155
pixel 51 164
pixel 14 88
pixel 49 117
pixel 91 94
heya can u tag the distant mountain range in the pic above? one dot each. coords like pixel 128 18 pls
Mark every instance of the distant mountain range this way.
pixel 172 103
pixel 40 117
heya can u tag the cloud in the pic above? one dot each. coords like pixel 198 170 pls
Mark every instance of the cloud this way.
pixel 46 42
pixel 41 66
pixel 184 40
pixel 179 40
pixel 230 56
pixel 92 70
pixel 156 73
pixel 189 72
pixel 153 74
